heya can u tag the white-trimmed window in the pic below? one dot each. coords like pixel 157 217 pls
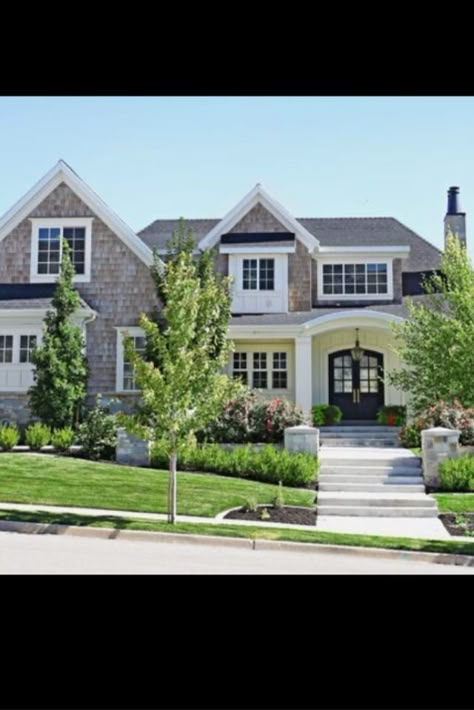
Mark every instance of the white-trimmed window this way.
pixel 16 347
pixel 6 348
pixel 280 371
pixel 47 247
pixel 261 370
pixel 27 345
pixel 258 274
pixel 125 377
pixel 240 367
pixel 354 279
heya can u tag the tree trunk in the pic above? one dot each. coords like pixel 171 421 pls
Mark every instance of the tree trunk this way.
pixel 172 488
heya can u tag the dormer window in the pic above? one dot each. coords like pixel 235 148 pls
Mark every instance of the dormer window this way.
pixel 47 247
pixel 258 274
pixel 354 279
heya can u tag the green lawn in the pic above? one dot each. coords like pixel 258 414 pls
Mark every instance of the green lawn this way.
pixel 56 480
pixel 455 502
pixel 310 536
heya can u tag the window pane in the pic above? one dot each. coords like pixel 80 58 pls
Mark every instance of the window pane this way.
pixel 338 269
pixel 364 386
pixel 337 386
pixel 280 379
pixel 338 373
pixel 374 386
pixel 260 361
pixel 260 379
pixel 347 386
pixel 347 361
pixel 327 269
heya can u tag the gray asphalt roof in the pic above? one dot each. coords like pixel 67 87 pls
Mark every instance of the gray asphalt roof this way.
pixel 300 317
pixel 337 231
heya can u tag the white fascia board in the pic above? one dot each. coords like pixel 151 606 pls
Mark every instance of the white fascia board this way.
pixel 262 332
pixel 61 172
pixel 256 249
pixel 400 252
pixel 39 313
pixel 256 195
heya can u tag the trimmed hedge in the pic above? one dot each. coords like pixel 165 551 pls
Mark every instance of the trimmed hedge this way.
pixel 457 474
pixel 267 465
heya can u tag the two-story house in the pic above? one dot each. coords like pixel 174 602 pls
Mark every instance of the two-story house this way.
pixel 304 290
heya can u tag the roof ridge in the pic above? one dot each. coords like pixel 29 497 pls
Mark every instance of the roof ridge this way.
pixel 341 218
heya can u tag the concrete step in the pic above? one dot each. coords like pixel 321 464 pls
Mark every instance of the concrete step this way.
pixel 388 498
pixel 363 461
pixel 370 471
pixel 389 480
pixel 352 428
pixel 344 434
pixel 380 512
pixel 382 442
pixel 371 487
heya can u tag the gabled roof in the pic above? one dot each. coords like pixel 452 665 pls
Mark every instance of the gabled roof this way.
pixel 258 195
pixel 331 232
pixel 60 173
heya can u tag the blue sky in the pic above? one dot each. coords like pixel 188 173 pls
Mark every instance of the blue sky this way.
pixel 163 157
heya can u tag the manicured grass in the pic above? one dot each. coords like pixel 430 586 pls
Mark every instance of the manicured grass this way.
pixel 58 480
pixel 310 536
pixel 455 502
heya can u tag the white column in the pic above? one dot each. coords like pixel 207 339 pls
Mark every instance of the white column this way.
pixel 303 367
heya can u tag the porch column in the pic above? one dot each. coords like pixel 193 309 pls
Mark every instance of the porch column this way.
pixel 303 365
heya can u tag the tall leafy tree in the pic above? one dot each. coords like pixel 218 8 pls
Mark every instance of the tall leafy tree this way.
pixel 435 343
pixel 180 376
pixel 60 374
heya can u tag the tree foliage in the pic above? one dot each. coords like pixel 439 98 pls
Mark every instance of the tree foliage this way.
pixel 436 342
pixel 180 375
pixel 60 374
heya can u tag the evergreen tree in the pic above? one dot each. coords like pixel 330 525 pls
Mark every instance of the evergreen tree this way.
pixel 61 370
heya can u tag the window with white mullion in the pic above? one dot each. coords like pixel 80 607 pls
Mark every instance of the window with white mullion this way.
pixel 355 279
pixel 239 370
pixel 249 274
pixel 129 383
pixel 280 371
pixel 260 372
pixel 258 274
pixel 6 348
pixel 27 345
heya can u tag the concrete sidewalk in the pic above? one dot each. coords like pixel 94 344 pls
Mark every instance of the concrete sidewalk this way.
pixel 423 528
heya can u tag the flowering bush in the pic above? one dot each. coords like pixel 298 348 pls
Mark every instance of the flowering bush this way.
pixel 410 434
pixel 451 415
pixel 248 418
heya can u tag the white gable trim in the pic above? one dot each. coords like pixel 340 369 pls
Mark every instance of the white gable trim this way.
pixel 255 196
pixel 61 172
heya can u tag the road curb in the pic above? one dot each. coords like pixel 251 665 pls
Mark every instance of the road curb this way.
pixel 257 544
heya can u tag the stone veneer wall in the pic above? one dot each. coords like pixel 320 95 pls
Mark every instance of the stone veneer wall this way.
pixel 121 285
pixel 259 219
pixel 14 408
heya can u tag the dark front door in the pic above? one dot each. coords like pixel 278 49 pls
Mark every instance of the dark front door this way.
pixel 356 387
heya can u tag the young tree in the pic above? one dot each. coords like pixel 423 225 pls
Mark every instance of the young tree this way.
pixel 435 343
pixel 61 370
pixel 180 376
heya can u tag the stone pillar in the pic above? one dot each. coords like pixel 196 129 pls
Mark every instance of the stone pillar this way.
pixel 302 439
pixel 131 450
pixel 303 370
pixel 437 445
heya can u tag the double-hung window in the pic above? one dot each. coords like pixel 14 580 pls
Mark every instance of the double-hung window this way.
pixel 48 237
pixel 258 274
pixel 261 370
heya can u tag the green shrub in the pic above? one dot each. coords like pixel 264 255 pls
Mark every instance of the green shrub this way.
pixel 457 474
pixel 37 435
pixel 249 418
pixel 410 434
pixel 268 464
pixel 98 433
pixel 392 414
pixel 9 436
pixel 63 439
pixel 279 501
pixel 250 505
pixel 326 414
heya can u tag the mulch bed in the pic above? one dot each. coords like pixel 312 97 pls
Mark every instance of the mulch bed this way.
pixel 458 523
pixel 295 516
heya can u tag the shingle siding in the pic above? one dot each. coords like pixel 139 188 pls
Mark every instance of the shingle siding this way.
pixel 121 285
pixel 299 279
